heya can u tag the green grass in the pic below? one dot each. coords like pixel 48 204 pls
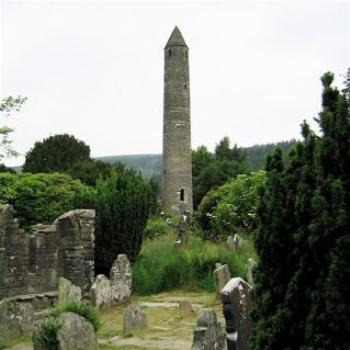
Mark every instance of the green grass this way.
pixel 162 267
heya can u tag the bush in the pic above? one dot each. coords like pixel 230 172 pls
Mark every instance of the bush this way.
pixel 41 198
pixel 161 266
pixel 232 207
pixel 82 309
pixel 48 331
pixel 155 228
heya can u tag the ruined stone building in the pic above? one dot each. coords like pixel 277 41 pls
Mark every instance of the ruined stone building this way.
pixel 177 162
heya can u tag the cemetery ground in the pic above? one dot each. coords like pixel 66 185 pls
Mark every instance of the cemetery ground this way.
pixel 166 328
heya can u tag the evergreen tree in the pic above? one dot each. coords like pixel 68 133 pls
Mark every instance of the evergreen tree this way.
pixel 301 299
pixel 123 203
pixel 57 153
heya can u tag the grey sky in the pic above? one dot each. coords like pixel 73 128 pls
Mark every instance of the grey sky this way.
pixel 95 69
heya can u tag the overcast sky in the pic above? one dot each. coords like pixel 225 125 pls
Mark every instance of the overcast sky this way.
pixel 95 69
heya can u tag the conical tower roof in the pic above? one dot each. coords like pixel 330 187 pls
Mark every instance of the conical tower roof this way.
pixel 176 38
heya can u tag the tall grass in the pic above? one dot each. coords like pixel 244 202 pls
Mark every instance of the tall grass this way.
pixel 161 266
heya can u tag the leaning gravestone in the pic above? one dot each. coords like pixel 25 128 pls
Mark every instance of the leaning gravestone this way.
pixel 121 279
pixel 222 276
pixel 208 334
pixel 236 303
pixel 134 319
pixel 68 292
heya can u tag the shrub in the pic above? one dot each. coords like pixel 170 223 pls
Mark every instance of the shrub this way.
pixel 155 228
pixel 40 198
pixel 82 309
pixel 48 331
pixel 232 207
pixel 161 266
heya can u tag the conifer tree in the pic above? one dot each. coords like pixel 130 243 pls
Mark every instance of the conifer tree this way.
pixel 301 299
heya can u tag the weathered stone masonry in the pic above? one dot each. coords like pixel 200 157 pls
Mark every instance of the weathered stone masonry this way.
pixel 33 264
pixel 177 162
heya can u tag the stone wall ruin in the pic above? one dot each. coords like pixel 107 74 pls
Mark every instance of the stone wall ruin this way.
pixel 32 264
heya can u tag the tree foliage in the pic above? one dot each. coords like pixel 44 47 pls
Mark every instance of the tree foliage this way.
pixel 232 207
pixel 8 105
pixel 56 153
pixel 301 298
pixel 40 198
pixel 212 170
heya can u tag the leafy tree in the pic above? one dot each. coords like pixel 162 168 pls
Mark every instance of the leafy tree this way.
pixel 7 106
pixel 57 153
pixel 301 299
pixel 232 207
pixel 89 170
pixel 41 198
pixel 212 170
pixel 122 204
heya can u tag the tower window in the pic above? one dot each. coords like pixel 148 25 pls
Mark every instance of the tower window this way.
pixel 182 195
pixel 185 86
pixel 169 53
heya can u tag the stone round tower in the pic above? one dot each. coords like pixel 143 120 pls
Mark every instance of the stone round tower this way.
pixel 177 163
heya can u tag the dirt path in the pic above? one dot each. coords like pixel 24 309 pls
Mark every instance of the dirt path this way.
pixel 164 344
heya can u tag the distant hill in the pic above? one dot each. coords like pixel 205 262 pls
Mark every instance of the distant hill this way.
pixel 148 164
pixel 151 164
pixel 256 154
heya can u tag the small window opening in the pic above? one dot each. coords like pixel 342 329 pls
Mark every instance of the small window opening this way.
pixel 169 53
pixel 185 86
pixel 182 195
pixel 186 54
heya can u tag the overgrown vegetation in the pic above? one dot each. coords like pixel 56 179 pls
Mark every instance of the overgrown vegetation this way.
pixel 83 309
pixel 47 333
pixel 51 324
pixel 161 266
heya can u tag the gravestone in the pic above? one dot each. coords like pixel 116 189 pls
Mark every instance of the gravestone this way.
pixel 134 319
pixel 251 264
pixel 101 292
pixel 76 333
pixel 68 292
pixel 236 303
pixel 208 334
pixel 222 275
pixel 186 308
pixel 121 279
